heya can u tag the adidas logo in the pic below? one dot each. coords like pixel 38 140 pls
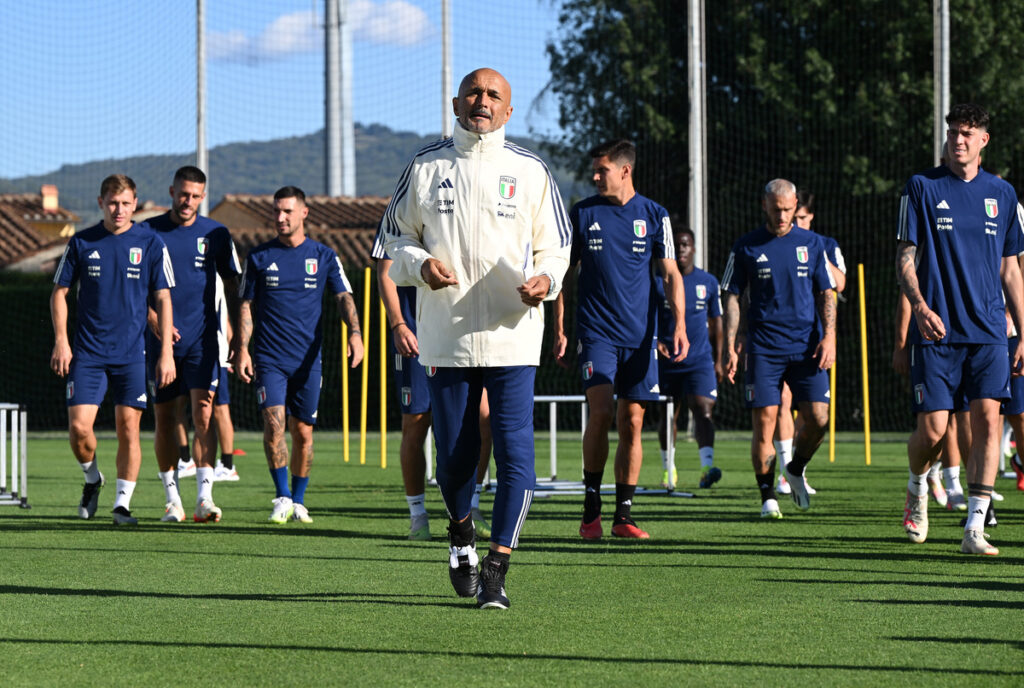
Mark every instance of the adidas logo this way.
pixel 95 255
pixel 762 258
pixel 446 184
pixel 142 397
pixel 594 228
pixel 942 205
pixel 628 502
pixel 206 481
pixel 273 266
pixel 978 511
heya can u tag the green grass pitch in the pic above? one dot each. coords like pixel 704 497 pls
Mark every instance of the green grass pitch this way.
pixel 834 596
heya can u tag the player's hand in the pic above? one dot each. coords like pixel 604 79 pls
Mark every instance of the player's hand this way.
pixel 1017 362
pixel 663 350
pixel 681 344
pixel 177 335
pixel 929 323
pixel 534 290
pixel 406 343
pixel 558 349
pixel 243 365
pixel 355 349
pixel 720 371
pixel 825 352
pixel 436 275
pixel 165 372
pixel 901 360
pixel 732 360
pixel 60 359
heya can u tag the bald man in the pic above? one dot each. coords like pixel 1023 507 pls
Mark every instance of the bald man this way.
pixel 791 335
pixel 476 223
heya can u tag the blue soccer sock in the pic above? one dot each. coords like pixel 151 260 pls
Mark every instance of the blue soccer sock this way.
pixel 280 477
pixel 299 488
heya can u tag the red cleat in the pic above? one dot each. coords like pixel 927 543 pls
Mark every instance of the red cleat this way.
pixel 592 530
pixel 1018 468
pixel 629 530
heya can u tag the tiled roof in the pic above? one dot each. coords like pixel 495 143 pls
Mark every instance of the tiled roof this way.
pixel 325 212
pixel 352 245
pixel 29 206
pixel 17 238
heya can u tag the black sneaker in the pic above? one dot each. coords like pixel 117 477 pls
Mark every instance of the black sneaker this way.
pixel 491 592
pixel 90 498
pixel 990 517
pixel 123 517
pixel 462 562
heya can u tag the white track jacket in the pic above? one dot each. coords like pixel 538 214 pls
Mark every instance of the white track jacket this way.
pixel 490 211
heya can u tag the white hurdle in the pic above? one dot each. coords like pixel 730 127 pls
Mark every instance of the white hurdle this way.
pixel 18 427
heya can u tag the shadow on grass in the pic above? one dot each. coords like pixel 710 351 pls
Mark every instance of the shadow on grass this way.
pixel 574 658
pixel 987 585
pixel 1015 644
pixel 967 604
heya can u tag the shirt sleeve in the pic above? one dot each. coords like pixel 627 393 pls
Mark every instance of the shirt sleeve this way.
pixel 823 279
pixel 664 243
pixel 1014 244
pixel 835 254
pixel 161 273
pixel 402 227
pixel 247 287
pixel 67 269
pixel 337 282
pixel 552 234
pixel 734 279
pixel 714 298
pixel 910 203
pixel 228 264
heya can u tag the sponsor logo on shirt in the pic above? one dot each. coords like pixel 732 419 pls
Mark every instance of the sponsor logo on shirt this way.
pixel 942 205
pixel 446 184
pixel 445 206
pixel 406 396
pixel 762 259
pixel 588 370
pixel 594 228
pixel 506 186
pixel 991 208
pixel 95 255
pixel 595 244
pixel 944 224
pixel 272 266
pixel 640 228
pixel 135 255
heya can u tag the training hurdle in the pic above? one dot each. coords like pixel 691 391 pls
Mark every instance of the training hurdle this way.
pixel 14 419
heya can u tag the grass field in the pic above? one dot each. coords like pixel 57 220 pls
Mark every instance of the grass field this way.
pixel 834 596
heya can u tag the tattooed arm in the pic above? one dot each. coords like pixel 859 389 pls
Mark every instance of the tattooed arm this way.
pixel 928 321
pixel 240 346
pixel 825 352
pixel 730 324
pixel 355 333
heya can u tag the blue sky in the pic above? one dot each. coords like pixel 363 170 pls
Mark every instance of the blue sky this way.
pixel 103 79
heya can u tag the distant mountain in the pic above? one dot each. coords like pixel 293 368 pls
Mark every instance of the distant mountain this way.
pixel 255 167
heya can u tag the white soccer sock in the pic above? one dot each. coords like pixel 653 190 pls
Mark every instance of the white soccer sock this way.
pixel 933 472
pixel 707 457
pixel 477 491
pixel 125 488
pixel 977 507
pixel 417 504
pixel 918 484
pixel 665 460
pixel 784 451
pixel 951 476
pixel 91 470
pixel 170 486
pixel 204 483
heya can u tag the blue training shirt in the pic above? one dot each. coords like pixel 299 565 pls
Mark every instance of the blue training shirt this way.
pixel 286 287
pixel 784 275
pixel 199 252
pixel 962 231
pixel 702 302
pixel 615 246
pixel 115 273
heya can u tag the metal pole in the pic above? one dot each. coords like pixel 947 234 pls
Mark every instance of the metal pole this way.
pixel 940 73
pixel 332 100
pixel 348 141
pixel 446 68
pixel 695 84
pixel 202 155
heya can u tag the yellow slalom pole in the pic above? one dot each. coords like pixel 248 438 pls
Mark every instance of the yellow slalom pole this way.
pixel 366 367
pixel 344 391
pixel 832 412
pixel 864 363
pixel 383 387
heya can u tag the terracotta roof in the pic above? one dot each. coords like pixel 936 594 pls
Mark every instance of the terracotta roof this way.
pixel 325 212
pixel 17 237
pixel 29 206
pixel 352 245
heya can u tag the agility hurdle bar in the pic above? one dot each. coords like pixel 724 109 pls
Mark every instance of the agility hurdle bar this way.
pixel 18 494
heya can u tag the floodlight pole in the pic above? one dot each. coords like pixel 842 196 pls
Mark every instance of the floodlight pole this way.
pixel 940 72
pixel 446 68
pixel 339 135
pixel 698 196
pixel 202 155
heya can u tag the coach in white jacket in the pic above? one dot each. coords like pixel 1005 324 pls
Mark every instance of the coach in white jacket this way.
pixel 478 225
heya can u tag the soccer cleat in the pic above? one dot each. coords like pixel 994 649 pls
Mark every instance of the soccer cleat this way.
pixel 1018 468
pixel 123 517
pixel 419 527
pixel 301 514
pixel 974 542
pixel 490 591
pixel 807 486
pixel 462 563
pixel 480 523
pixel 90 498
pixel 222 473
pixel 915 517
pixel 186 469
pixel 283 510
pixel 670 484
pixel 955 501
pixel 996 497
pixel 770 509
pixel 938 491
pixel 710 477
pixel 783 487
pixel 990 517
pixel 592 530
pixel 206 511
pixel 799 488
pixel 629 529
pixel 173 513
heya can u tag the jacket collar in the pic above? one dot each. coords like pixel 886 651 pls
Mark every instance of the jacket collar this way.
pixel 469 142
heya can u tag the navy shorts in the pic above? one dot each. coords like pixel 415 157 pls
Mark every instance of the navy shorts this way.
pixel 223 397
pixel 411 385
pixel 765 374
pixel 943 374
pixel 688 378
pixel 298 390
pixel 632 372
pixel 195 368
pixel 88 382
